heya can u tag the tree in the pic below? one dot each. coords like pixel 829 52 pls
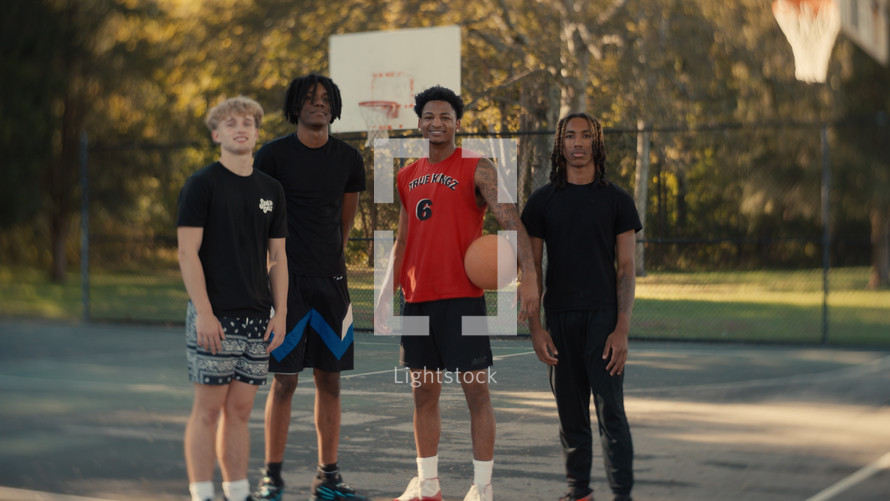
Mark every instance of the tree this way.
pixel 62 63
pixel 26 130
pixel 864 178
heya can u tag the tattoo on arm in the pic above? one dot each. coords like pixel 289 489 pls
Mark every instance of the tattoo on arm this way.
pixel 505 212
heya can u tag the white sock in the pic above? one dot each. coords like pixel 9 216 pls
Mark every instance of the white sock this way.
pixel 428 467
pixel 201 491
pixel 482 472
pixel 237 490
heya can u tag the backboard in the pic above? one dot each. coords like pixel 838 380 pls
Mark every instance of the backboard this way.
pixel 866 23
pixel 385 69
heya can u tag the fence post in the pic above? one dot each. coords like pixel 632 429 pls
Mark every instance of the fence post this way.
pixel 641 193
pixel 84 228
pixel 826 237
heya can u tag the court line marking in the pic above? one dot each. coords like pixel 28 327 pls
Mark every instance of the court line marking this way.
pixel 856 477
pixel 510 355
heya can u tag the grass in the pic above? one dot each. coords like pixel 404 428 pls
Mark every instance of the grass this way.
pixel 752 306
pixel 125 296
pixel 762 306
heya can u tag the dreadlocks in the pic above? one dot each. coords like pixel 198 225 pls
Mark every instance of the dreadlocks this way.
pixel 300 87
pixel 558 174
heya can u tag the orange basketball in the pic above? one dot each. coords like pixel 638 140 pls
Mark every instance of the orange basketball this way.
pixel 482 258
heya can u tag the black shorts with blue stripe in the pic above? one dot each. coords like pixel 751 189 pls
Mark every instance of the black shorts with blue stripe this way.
pixel 319 326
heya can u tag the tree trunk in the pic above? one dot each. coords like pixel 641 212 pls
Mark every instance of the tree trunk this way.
pixel 880 250
pixel 538 98
pixel 61 177
pixel 641 193
pixel 682 206
pixel 576 61
pixel 59 229
pixel 61 187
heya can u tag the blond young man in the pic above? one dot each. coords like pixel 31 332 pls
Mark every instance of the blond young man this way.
pixel 231 230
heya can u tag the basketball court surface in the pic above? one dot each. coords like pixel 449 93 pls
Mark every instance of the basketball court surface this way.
pixel 97 412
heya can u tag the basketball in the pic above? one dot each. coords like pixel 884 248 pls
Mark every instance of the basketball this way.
pixel 482 258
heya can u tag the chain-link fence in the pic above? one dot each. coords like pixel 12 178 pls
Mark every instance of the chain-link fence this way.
pixel 732 249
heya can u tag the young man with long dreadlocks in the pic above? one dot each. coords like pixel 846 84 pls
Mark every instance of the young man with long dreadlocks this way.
pixel 588 224
pixel 322 177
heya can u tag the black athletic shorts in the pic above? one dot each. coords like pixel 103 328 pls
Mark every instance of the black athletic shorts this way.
pixel 319 326
pixel 446 348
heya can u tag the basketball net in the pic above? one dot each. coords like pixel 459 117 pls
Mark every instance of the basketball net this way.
pixel 376 115
pixel 811 27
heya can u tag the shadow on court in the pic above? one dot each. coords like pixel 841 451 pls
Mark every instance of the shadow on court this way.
pixel 98 411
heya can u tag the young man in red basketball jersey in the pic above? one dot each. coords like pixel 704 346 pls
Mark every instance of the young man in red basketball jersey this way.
pixel 588 224
pixel 444 198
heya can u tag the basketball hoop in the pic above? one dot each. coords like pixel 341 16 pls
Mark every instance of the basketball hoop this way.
pixel 376 115
pixel 811 27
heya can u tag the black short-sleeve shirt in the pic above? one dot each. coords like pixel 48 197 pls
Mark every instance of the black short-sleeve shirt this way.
pixel 239 214
pixel 579 224
pixel 314 181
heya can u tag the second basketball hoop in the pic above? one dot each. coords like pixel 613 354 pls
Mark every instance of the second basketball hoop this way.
pixel 811 27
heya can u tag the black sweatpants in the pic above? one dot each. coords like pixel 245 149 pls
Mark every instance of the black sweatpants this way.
pixel 579 337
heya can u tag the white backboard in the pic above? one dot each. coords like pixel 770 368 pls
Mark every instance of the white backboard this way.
pixel 391 66
pixel 866 23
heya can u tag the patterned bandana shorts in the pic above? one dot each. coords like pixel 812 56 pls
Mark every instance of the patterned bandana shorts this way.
pixel 243 355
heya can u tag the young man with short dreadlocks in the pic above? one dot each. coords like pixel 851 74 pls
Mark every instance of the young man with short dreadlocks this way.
pixel 322 177
pixel 588 224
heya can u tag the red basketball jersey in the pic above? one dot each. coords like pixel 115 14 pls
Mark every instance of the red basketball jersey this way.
pixel 443 219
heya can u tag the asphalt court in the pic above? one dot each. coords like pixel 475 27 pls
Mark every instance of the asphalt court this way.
pixel 97 411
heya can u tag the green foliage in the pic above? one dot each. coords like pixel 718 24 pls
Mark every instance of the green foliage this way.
pixel 139 75
pixel 26 105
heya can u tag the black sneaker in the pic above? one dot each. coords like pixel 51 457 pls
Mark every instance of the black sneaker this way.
pixel 268 491
pixel 331 487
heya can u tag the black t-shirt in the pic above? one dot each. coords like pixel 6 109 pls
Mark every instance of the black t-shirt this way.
pixel 314 181
pixel 579 224
pixel 239 215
